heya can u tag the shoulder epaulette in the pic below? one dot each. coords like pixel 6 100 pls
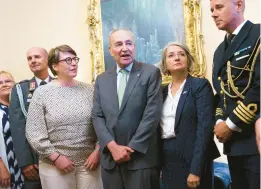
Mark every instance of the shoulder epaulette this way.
pixel 23 81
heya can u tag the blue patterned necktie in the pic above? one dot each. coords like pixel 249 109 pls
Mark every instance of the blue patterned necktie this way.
pixel 122 85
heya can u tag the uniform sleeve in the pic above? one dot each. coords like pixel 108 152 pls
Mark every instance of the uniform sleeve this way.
pixel 23 150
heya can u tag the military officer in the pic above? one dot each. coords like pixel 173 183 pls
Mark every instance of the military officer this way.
pixel 21 95
pixel 236 79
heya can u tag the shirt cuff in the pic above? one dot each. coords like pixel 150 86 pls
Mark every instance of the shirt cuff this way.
pixel 232 126
pixel 218 121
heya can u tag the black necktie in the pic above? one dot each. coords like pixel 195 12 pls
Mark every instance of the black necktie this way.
pixel 43 82
pixel 230 38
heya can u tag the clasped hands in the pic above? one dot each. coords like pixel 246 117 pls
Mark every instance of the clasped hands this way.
pixel 65 165
pixel 119 153
pixel 222 132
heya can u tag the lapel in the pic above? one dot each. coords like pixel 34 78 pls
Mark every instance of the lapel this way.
pixel 219 58
pixel 133 78
pixel 165 92
pixel 182 100
pixel 111 89
pixel 236 43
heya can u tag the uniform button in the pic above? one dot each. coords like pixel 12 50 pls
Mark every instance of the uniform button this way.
pixel 219 78
pixel 221 92
pixel 233 76
pixel 236 88
pixel 238 102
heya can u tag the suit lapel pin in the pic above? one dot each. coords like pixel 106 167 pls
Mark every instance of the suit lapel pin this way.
pixel 138 75
pixel 184 92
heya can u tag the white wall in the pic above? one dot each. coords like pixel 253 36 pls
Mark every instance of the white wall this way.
pixel 47 24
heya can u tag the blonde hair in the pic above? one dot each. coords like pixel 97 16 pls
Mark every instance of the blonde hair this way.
pixel 2 72
pixel 190 62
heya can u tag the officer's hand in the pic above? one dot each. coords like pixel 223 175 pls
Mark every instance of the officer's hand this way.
pixel 30 172
pixel 223 132
pixel 193 181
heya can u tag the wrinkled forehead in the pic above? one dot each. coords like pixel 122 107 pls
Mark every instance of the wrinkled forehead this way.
pixel 121 35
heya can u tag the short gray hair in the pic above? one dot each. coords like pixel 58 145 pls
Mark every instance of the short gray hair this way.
pixel 120 29
pixel 190 62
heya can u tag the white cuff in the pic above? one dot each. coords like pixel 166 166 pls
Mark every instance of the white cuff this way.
pixel 232 126
pixel 218 121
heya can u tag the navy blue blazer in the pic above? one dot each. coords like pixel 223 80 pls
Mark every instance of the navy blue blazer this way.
pixel 194 124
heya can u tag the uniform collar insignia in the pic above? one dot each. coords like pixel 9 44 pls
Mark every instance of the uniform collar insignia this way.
pixel 32 86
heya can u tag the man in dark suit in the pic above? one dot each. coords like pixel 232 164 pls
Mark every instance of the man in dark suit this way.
pixel 126 114
pixel 21 95
pixel 236 79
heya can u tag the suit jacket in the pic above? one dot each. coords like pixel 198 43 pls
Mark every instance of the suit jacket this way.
pixel 24 153
pixel 135 123
pixel 244 56
pixel 194 124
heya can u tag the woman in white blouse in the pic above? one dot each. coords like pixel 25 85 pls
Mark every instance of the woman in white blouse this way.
pixel 186 123
pixel 59 127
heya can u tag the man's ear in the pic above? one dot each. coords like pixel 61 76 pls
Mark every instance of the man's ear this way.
pixel 240 6
pixel 111 53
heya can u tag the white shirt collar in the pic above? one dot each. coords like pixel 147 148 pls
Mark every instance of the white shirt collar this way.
pixel 237 30
pixel 180 87
pixel 38 81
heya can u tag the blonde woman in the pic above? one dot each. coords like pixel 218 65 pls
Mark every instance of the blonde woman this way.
pixel 10 173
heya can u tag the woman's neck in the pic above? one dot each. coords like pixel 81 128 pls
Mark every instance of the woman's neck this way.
pixel 4 100
pixel 67 82
pixel 179 77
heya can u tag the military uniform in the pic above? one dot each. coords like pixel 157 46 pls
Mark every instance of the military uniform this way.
pixel 236 79
pixel 18 112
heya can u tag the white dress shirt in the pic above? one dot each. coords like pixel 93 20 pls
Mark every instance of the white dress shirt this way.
pixel 168 114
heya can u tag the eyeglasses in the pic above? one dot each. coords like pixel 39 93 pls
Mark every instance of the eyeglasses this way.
pixel 69 60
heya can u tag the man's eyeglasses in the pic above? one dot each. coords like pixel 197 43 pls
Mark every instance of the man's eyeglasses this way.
pixel 69 60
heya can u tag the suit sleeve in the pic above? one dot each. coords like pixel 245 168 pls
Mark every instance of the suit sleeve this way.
pixel 23 150
pixel 244 115
pixel 151 116
pixel 98 119
pixel 204 136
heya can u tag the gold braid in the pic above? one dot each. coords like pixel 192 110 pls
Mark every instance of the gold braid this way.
pixel 230 81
